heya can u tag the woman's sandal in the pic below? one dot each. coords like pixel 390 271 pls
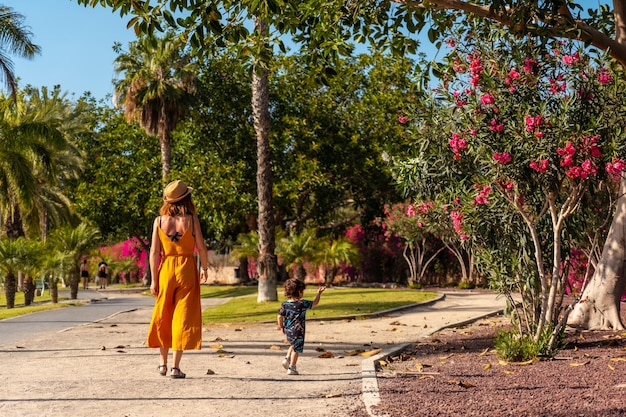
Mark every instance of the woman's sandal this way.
pixel 178 375
pixel 162 369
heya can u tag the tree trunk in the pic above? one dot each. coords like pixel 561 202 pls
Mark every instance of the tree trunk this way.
pixel 166 152
pixel 10 288
pixel 244 276
pixel 29 290
pixel 74 281
pixel 54 290
pixel 267 264
pixel 599 304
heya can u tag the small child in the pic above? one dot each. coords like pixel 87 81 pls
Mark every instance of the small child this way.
pixel 292 318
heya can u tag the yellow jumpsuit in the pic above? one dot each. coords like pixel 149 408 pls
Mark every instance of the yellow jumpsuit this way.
pixel 177 317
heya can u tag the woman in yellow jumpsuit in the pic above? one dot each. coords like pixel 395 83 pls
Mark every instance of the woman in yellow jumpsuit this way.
pixel 177 317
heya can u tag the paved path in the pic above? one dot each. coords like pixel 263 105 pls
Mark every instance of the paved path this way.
pixel 104 368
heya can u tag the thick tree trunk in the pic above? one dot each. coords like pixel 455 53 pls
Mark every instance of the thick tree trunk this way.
pixel 600 301
pixel 166 153
pixel 29 290
pixel 74 282
pixel 10 288
pixel 54 290
pixel 267 263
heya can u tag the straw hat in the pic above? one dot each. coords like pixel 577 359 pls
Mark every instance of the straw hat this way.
pixel 175 191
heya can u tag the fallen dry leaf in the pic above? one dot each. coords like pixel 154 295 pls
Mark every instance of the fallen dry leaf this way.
pixel 461 383
pixel 216 346
pixel 326 355
pixel 509 372
pixel 580 363
pixel 275 347
pixel 611 367
pixel 354 352
pixel 443 358
pixel 333 395
pixel 426 377
pixel 320 349
pixel 503 363
pixel 618 359
pixel 210 372
pixel 120 351
pixel 371 352
pixel 484 352
pixel 528 362
pixel 488 366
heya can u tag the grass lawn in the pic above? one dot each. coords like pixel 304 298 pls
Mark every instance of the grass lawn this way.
pixel 334 302
pixel 41 303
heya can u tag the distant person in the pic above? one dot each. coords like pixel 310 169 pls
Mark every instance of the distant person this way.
pixel 292 320
pixel 177 316
pixel 103 275
pixel 84 274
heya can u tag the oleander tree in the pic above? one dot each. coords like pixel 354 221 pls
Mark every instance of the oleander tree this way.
pixel 524 131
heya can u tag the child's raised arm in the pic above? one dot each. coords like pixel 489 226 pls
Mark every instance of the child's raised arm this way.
pixel 320 290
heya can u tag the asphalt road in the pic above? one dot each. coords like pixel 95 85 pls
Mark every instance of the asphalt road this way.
pixel 98 306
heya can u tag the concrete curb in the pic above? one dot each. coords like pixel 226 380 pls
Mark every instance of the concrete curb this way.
pixel 370 393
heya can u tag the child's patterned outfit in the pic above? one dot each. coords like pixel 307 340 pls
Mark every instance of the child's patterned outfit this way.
pixel 294 313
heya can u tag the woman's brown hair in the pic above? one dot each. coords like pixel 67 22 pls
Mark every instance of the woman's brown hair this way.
pixel 178 208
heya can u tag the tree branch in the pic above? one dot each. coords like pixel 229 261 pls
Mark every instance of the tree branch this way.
pixel 567 26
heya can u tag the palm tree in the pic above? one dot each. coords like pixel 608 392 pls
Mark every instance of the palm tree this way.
pixel 36 156
pixel 246 247
pixel 52 265
pixel 157 87
pixel 74 242
pixel 340 252
pixel 15 38
pixel 12 260
pixel 298 249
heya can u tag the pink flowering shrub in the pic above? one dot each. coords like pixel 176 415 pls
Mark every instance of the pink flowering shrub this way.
pixel 529 140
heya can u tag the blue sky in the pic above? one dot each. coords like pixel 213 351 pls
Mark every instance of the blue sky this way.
pixel 76 45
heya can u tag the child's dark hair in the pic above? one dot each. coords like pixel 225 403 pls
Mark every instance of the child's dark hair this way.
pixel 294 288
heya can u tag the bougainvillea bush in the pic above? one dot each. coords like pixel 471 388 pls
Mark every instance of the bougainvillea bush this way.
pixel 522 142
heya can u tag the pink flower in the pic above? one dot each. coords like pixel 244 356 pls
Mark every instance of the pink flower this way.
pixel 539 166
pixel 574 172
pixel 403 119
pixel 495 127
pixel 567 150
pixel 604 76
pixel 487 99
pixel 595 151
pixel 503 158
pixel 571 59
pixel 589 167
pixel 567 161
pixel 410 211
pixel 451 42
pixel 425 207
pixel 615 167
pixel 529 65
pixel 514 74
